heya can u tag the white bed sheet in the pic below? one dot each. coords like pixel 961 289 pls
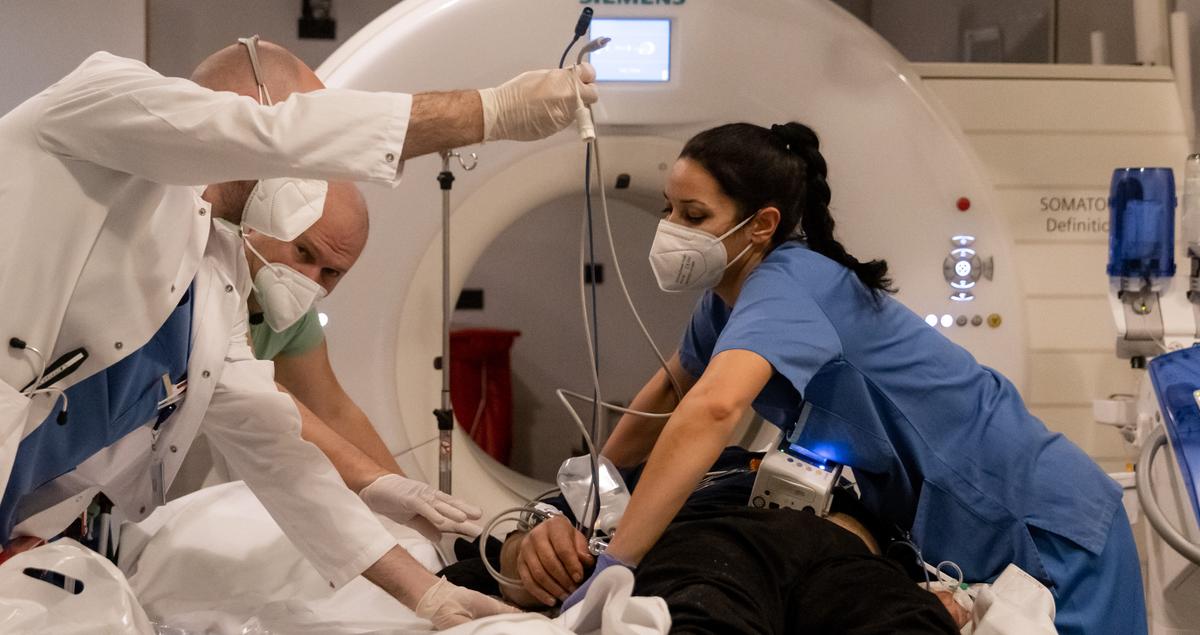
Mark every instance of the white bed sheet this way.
pixel 215 562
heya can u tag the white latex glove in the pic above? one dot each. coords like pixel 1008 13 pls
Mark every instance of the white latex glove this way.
pixel 536 104
pixel 448 605
pixel 401 498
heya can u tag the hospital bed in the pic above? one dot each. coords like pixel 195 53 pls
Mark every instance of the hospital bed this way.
pixel 215 563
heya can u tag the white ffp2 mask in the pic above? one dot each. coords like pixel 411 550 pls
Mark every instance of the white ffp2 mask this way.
pixel 684 258
pixel 283 208
pixel 283 293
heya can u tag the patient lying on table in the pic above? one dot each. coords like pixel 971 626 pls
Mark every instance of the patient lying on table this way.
pixel 723 567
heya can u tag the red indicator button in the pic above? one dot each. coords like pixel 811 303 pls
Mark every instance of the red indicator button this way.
pixel 964 204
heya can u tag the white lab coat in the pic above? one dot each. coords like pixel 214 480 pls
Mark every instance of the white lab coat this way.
pixel 102 234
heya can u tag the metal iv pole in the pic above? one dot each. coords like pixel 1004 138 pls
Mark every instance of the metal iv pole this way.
pixel 445 414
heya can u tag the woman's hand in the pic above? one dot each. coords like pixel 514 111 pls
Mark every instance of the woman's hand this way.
pixel 605 561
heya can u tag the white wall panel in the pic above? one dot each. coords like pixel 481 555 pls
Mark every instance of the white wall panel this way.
pixel 1050 146
pixel 43 40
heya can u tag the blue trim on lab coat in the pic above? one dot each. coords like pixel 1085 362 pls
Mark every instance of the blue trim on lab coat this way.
pixel 102 409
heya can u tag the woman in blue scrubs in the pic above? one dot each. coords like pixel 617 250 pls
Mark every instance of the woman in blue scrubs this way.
pixel 942 448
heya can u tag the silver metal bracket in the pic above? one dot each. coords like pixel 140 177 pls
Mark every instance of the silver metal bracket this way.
pixel 1143 325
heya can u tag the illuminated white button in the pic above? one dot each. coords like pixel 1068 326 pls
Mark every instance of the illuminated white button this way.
pixel 931 320
pixel 947 321
pixel 962 268
pixel 323 319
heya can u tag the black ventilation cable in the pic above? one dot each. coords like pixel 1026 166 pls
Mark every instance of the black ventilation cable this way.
pixel 581 28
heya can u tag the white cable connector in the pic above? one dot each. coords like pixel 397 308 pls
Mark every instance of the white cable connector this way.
pixel 583 119
pixel 583 114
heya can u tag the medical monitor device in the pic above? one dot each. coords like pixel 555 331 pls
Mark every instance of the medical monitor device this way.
pixel 1176 380
pixel 794 477
pixel 640 50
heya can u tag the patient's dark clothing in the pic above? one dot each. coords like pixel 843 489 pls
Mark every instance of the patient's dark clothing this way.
pixel 725 568
pixel 743 570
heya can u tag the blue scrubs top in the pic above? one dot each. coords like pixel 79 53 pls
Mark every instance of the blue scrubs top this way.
pixel 940 445
pixel 102 409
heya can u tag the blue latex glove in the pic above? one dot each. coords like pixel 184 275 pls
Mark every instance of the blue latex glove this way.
pixel 603 562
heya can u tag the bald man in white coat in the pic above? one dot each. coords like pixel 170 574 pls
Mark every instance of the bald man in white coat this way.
pixel 120 195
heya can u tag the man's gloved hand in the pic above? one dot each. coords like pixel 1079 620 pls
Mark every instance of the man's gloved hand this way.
pixel 603 562
pixel 447 605
pixel 401 498
pixel 536 104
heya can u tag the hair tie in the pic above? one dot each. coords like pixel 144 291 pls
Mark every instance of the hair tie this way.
pixel 779 131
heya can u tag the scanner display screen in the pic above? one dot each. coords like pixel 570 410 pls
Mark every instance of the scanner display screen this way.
pixel 640 50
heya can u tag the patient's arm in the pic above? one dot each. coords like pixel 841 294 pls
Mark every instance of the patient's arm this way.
pixel 634 436
pixel 851 524
pixel 510 555
pixel 551 560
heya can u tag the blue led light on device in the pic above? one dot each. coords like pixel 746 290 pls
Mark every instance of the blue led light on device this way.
pixel 1141 246
pixel 806 455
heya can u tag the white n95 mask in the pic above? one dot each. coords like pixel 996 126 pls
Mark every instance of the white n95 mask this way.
pixel 684 258
pixel 283 293
pixel 283 208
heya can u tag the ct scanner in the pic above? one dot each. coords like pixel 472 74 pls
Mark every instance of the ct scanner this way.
pixel 934 167
pixel 907 185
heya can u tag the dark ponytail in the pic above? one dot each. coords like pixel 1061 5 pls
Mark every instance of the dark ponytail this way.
pixel 781 167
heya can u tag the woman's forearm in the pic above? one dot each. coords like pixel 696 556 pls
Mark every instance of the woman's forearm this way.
pixel 634 436
pixel 688 446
